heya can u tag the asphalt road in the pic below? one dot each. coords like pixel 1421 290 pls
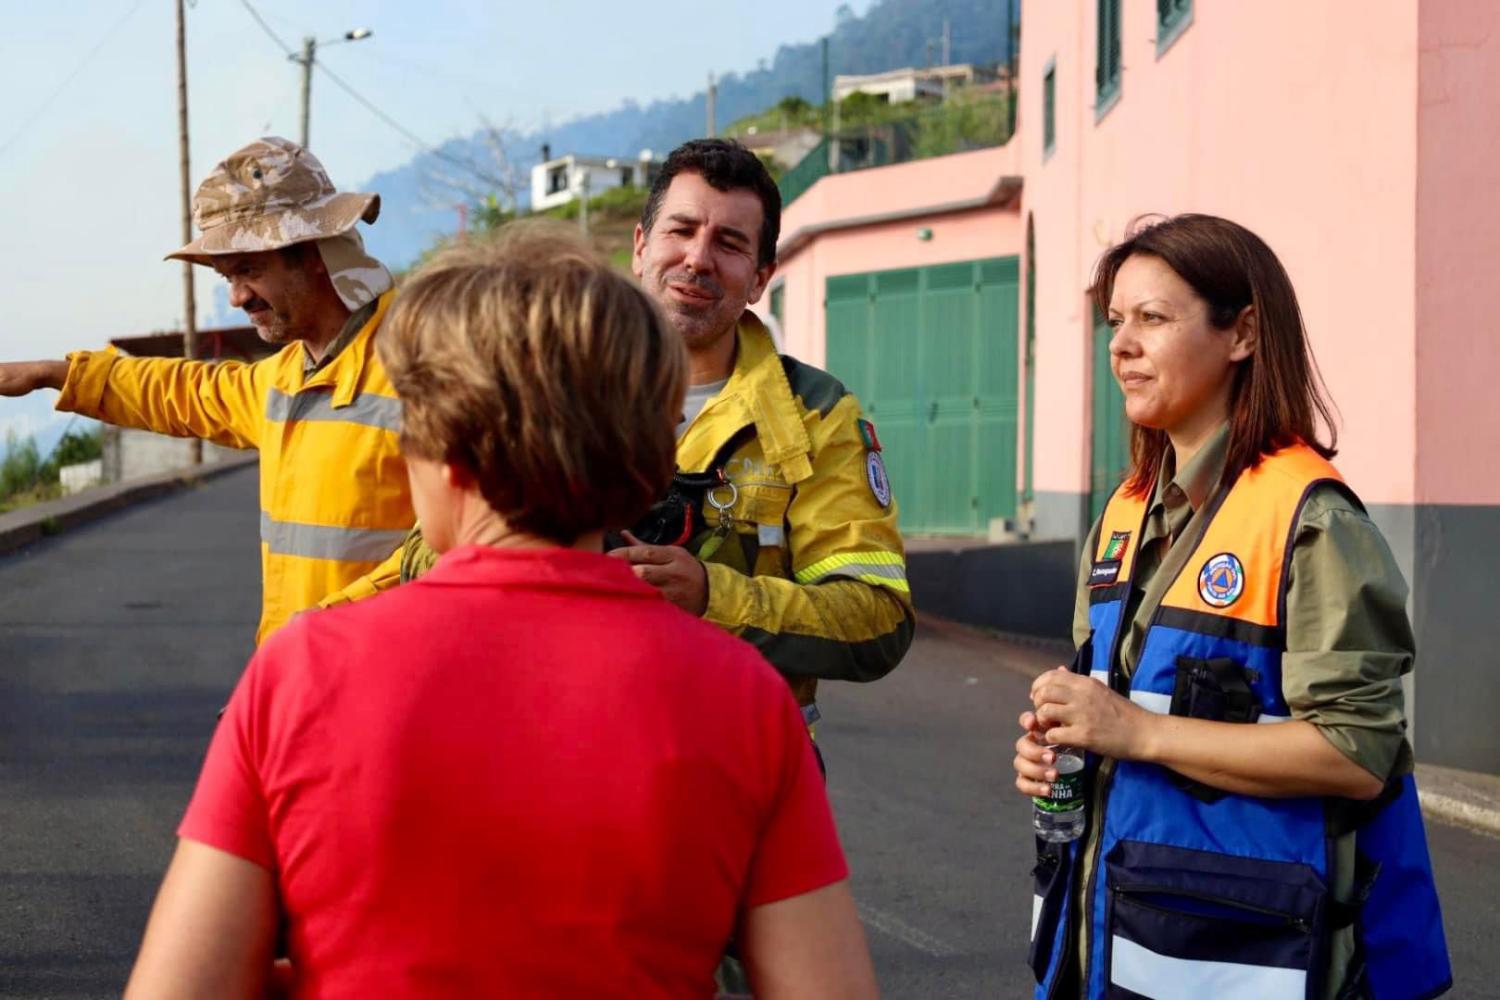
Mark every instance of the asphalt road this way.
pixel 119 641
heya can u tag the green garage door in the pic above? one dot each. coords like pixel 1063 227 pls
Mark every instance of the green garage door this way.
pixel 1111 434
pixel 931 353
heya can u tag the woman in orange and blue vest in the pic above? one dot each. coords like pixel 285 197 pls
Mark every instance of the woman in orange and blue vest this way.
pixel 1233 579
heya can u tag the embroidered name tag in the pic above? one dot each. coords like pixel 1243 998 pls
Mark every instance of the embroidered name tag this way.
pixel 1104 573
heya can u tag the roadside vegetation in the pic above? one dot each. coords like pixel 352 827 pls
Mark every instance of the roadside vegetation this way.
pixel 27 478
pixel 612 217
pixel 967 119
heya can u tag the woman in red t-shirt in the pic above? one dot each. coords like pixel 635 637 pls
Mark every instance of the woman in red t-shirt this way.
pixel 526 774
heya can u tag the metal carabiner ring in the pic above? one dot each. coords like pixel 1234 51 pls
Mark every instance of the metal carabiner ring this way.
pixel 713 500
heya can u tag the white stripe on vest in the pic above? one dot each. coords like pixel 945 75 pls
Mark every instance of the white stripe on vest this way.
pixel 1162 977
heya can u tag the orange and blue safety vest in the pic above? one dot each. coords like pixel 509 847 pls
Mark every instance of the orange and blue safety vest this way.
pixel 1210 893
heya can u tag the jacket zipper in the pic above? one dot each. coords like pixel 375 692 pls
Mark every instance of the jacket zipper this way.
pixel 1288 919
pixel 1105 780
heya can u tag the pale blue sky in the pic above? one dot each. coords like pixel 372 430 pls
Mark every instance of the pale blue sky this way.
pixel 89 190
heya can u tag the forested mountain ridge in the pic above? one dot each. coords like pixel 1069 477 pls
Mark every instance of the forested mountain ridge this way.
pixel 419 206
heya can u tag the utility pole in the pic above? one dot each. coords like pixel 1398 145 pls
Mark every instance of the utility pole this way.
pixel 1012 37
pixel 827 97
pixel 309 55
pixel 583 198
pixel 829 145
pixel 189 300
pixel 308 59
pixel 947 54
pixel 712 102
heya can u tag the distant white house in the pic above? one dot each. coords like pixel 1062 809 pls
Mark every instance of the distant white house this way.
pixel 909 84
pixel 563 179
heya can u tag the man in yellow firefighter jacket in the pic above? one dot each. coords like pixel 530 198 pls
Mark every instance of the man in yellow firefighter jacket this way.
pixel 787 534
pixel 334 497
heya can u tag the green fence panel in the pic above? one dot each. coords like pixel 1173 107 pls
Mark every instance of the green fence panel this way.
pixel 998 339
pixel 1110 439
pixel 949 370
pixel 931 352
pixel 847 340
pixel 895 396
pixel 804 174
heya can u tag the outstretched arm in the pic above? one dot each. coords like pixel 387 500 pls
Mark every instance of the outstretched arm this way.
pixel 223 402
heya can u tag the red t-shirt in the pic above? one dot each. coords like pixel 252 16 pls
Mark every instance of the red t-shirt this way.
pixel 526 774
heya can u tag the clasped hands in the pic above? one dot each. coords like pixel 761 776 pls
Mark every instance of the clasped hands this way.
pixel 1075 710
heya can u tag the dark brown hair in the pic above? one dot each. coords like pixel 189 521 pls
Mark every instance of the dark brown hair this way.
pixel 548 375
pixel 1278 397
pixel 726 166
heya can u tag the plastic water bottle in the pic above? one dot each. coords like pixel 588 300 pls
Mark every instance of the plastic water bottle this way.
pixel 1059 817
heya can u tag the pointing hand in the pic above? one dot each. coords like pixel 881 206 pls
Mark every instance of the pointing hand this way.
pixel 17 378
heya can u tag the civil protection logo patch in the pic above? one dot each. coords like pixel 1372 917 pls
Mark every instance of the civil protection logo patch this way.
pixel 1222 580
pixel 880 483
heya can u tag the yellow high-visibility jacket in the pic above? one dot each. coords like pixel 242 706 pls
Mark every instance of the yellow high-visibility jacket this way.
pixel 814 573
pixel 825 595
pixel 334 497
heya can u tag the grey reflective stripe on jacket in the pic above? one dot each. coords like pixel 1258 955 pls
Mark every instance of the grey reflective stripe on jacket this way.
pixel 367 408
pixel 322 541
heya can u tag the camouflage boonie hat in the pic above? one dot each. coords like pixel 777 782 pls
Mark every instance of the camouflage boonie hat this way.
pixel 269 195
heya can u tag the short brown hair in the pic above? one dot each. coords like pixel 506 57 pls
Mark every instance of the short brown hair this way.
pixel 726 166
pixel 526 360
pixel 1278 397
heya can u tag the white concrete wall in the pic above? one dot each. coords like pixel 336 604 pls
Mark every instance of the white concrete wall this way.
pixel 132 454
pixel 81 475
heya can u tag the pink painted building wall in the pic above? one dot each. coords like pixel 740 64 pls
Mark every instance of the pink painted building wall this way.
pixel 1297 120
pixel 870 220
pixel 1362 142
pixel 1458 254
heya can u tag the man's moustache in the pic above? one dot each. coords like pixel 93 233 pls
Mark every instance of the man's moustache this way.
pixel 697 281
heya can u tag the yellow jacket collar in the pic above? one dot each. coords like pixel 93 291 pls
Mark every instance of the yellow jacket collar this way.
pixel 345 373
pixel 758 389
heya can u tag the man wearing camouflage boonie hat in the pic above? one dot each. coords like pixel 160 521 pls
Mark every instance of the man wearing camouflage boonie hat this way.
pixel 334 495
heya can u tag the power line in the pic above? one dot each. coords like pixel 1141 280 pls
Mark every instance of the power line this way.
pixel 267 28
pixel 82 65
pixel 466 165
pixel 370 106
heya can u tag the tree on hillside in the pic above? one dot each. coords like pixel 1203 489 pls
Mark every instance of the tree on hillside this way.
pixel 891 34
pixel 75 447
pixel 493 188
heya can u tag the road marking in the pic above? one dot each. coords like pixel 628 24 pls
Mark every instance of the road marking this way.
pixel 893 926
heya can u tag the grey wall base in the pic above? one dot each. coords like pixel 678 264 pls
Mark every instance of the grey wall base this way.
pixel 1456 575
pixel 1449 554
pixel 1060 515
pixel 131 454
pixel 1025 588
